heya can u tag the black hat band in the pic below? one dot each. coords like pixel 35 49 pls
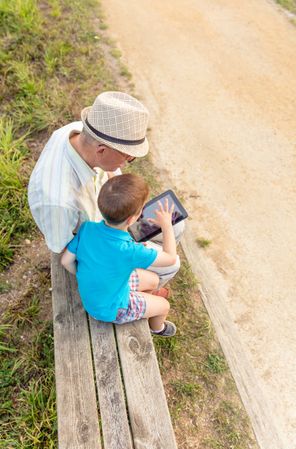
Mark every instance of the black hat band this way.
pixel 113 139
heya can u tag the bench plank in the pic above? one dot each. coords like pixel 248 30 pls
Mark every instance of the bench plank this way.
pixel 78 423
pixel 148 412
pixel 116 431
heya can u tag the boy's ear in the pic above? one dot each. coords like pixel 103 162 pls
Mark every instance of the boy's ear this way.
pixel 129 220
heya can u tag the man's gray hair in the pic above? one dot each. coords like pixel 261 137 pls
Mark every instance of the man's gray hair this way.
pixel 87 138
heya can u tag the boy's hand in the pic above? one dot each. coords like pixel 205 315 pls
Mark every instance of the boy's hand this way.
pixel 163 215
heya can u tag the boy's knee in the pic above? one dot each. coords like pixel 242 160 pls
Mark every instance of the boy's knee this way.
pixel 167 306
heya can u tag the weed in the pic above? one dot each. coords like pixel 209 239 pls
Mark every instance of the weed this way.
pixel 210 443
pixel 185 282
pixel 4 287
pixel 290 5
pixel 56 8
pixel 229 425
pixel 186 389
pixel 24 314
pixel 20 16
pixel 216 363
pixel 203 243
pixel 27 394
pixel 14 213
pixel 166 348
pixel 116 53
pixel 125 72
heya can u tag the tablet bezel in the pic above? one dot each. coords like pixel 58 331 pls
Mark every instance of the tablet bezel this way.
pixel 153 201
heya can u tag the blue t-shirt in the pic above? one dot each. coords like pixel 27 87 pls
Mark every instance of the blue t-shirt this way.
pixel 105 259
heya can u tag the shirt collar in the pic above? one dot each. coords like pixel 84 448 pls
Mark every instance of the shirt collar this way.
pixel 83 170
pixel 117 233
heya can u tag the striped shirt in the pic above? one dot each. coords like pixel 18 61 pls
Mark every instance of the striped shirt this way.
pixel 63 189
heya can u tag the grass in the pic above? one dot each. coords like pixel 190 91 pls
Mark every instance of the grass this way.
pixel 4 287
pixel 198 382
pixel 290 5
pixel 49 67
pixel 14 215
pixel 27 393
pixel 203 243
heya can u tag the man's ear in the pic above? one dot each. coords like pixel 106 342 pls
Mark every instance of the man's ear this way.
pixel 100 148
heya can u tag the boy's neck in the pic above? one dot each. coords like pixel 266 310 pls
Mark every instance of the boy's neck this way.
pixel 120 227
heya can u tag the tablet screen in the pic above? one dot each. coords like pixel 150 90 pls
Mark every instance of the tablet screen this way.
pixel 142 230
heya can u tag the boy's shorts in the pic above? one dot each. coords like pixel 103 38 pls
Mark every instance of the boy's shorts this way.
pixel 137 304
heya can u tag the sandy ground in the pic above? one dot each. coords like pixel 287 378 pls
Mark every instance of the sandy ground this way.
pixel 219 80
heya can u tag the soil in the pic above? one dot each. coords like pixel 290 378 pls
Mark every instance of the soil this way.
pixel 29 274
pixel 219 81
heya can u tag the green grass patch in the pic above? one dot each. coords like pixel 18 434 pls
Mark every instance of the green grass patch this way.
pixel 290 5
pixel 27 393
pixel 203 243
pixel 4 287
pixel 216 363
pixel 14 213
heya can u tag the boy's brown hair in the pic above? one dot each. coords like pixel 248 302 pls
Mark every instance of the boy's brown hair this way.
pixel 121 197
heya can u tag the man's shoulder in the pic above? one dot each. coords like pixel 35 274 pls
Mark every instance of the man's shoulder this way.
pixel 73 126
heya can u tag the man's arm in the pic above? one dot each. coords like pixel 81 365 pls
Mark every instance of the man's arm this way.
pixel 56 224
pixel 68 261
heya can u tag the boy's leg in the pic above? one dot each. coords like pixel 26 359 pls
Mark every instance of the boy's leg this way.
pixel 145 305
pixel 157 309
pixel 147 280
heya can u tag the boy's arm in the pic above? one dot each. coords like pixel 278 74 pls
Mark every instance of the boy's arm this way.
pixel 68 261
pixel 164 219
pixel 168 257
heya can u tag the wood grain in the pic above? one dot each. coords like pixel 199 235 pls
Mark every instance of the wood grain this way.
pixel 78 423
pixel 148 412
pixel 116 431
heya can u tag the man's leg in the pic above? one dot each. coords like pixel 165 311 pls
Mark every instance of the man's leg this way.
pixel 178 231
pixel 166 273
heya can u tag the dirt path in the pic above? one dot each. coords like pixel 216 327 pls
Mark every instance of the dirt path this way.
pixel 219 80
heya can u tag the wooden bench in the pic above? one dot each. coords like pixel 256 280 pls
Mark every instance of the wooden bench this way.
pixel 109 390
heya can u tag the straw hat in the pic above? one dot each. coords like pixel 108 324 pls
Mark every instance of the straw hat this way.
pixel 119 121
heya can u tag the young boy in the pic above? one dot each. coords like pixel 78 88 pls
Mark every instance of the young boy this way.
pixel 113 280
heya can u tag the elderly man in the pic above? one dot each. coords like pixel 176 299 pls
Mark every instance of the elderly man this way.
pixel 78 159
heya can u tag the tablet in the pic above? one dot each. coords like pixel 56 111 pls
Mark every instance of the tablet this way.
pixel 142 230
